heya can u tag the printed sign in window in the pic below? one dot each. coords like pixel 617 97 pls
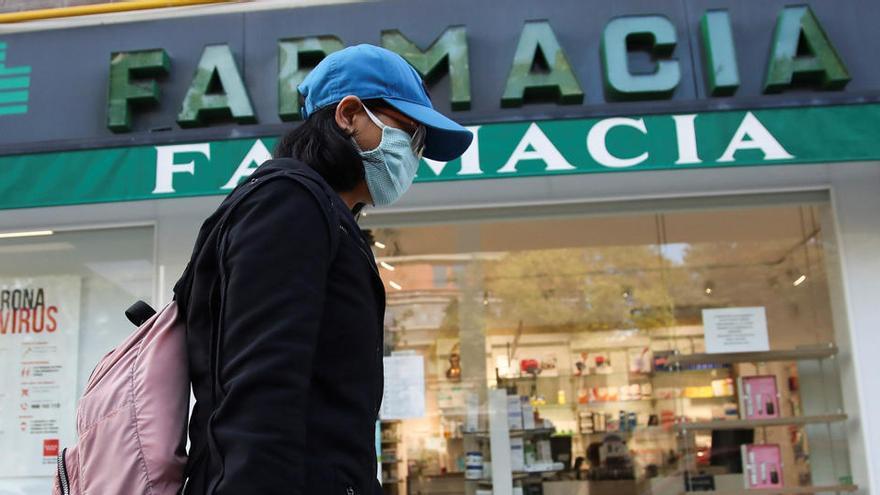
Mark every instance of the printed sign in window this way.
pixel 736 330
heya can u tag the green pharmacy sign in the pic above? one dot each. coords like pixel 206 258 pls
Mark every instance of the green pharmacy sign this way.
pixel 14 83
pixel 823 134
pixel 541 70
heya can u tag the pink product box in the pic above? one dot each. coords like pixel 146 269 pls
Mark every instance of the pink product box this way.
pixel 758 397
pixel 762 465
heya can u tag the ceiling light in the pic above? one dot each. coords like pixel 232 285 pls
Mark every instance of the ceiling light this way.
pixel 379 245
pixel 387 266
pixel 395 285
pixel 32 233
pixel 800 280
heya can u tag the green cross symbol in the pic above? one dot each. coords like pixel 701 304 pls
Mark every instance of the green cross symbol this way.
pixel 14 83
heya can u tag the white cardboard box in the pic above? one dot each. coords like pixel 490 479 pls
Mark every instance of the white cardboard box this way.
pixel 517 454
pixel 514 413
pixel 528 414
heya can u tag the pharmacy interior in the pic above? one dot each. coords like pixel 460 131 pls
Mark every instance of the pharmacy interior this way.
pixel 645 352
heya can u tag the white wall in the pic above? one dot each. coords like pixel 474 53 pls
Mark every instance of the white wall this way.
pixel 856 206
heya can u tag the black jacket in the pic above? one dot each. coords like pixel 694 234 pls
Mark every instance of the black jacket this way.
pixel 284 343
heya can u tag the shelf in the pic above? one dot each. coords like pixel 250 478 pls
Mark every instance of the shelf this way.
pixel 518 474
pixel 515 433
pixel 567 405
pixel 570 377
pixel 598 402
pixel 731 398
pixel 811 352
pixel 787 490
pixel 631 375
pixel 634 375
pixel 735 424
pixel 722 369
pixel 646 431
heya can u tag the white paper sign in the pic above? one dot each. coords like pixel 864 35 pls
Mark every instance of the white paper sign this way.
pixel 735 330
pixel 404 395
pixel 39 344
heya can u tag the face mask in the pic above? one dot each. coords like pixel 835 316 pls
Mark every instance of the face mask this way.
pixel 391 167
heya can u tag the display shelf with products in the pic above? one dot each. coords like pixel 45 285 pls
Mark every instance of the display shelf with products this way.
pixel 582 405
pixel 735 424
pixel 822 351
pixel 608 340
pixel 786 490
pixel 639 431
pixel 632 375
pixel 522 474
pixel 390 461
pixel 516 432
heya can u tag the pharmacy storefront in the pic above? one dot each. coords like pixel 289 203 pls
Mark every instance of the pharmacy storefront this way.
pixel 654 271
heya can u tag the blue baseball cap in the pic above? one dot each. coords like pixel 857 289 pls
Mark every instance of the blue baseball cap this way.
pixel 371 72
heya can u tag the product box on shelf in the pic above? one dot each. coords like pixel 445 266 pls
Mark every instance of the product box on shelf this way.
pixel 758 397
pixel 585 421
pixel 528 413
pixel 762 465
pixel 514 412
pixel 517 454
pixel 641 360
pixel 592 363
pixel 544 453
pixel 472 415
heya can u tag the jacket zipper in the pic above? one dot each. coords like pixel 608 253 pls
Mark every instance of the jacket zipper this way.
pixel 370 261
pixel 62 474
pixel 372 264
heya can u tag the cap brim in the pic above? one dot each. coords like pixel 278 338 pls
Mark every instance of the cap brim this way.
pixel 444 139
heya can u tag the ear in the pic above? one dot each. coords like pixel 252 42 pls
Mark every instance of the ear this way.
pixel 346 110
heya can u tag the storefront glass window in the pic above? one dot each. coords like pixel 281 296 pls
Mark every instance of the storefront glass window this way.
pixel 62 302
pixel 637 353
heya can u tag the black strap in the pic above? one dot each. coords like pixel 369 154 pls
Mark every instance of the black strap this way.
pixel 139 312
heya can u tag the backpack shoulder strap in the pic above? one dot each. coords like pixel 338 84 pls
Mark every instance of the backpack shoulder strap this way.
pixel 324 198
pixel 219 219
pixel 321 196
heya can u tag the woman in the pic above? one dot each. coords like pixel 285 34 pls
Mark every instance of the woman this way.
pixel 283 301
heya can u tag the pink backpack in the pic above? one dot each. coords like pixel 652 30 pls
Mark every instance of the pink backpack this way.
pixel 131 420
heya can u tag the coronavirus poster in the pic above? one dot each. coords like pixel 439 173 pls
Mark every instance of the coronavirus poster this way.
pixel 39 336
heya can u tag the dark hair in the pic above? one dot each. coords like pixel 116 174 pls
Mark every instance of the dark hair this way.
pixel 321 144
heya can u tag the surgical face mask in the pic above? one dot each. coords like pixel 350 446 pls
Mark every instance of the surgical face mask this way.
pixel 391 167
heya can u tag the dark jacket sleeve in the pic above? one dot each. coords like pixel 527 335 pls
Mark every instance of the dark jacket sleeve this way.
pixel 277 255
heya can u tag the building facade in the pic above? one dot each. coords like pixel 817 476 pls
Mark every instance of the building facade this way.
pixel 654 268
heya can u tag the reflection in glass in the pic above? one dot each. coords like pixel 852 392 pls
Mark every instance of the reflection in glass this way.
pixel 593 327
